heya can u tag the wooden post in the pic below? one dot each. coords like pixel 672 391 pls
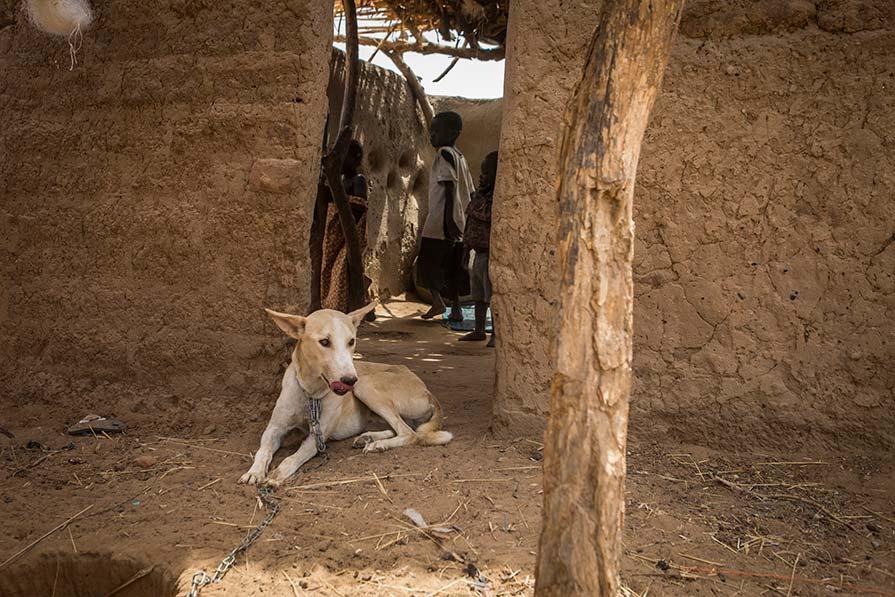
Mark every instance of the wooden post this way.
pixel 418 92
pixel 584 460
pixel 332 168
pixel 318 228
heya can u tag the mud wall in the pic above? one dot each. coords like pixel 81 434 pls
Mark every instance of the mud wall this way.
pixel 481 127
pixel 765 212
pixel 396 164
pixel 154 199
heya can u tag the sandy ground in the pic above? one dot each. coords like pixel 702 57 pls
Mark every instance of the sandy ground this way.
pixel 699 522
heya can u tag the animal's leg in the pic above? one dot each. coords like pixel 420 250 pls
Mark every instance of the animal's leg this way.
pixel 387 444
pixel 270 443
pixel 291 464
pixel 371 436
pixel 404 433
pixel 281 421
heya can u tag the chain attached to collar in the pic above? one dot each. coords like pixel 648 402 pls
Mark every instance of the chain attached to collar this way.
pixel 315 411
pixel 201 579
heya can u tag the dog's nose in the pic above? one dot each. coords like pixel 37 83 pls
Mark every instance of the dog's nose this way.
pixel 349 380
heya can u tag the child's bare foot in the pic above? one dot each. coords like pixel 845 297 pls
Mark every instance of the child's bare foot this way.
pixel 433 312
pixel 456 315
pixel 475 336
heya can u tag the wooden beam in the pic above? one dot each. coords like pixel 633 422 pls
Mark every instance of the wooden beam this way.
pixel 584 447
pixel 401 47
pixel 415 87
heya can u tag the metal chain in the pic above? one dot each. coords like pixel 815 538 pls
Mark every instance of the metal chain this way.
pixel 201 579
pixel 315 411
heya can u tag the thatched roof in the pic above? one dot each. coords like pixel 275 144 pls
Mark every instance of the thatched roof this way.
pixel 463 26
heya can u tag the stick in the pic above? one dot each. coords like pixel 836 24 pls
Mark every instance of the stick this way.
pixel 792 577
pixel 218 480
pixel 418 92
pixel 241 455
pixel 445 587
pixel 821 507
pixel 428 48
pixel 292 584
pixel 16 555
pixel 132 580
pixel 711 563
pixel 877 514
pixel 382 488
pixel 346 482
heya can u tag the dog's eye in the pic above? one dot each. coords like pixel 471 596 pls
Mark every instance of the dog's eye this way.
pixel 324 342
pixel 351 342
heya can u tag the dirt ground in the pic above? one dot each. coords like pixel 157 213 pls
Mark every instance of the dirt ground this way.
pixel 164 494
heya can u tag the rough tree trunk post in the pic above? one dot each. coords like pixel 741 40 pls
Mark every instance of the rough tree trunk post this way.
pixel 332 167
pixel 584 451
pixel 318 230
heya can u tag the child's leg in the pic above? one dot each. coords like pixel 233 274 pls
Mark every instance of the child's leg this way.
pixel 438 306
pixel 456 311
pixel 481 311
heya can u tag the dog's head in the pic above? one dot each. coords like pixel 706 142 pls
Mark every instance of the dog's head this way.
pixel 325 345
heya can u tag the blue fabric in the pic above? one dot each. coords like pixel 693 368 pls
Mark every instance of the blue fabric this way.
pixel 468 323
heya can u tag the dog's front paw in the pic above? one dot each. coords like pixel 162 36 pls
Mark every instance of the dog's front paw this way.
pixel 373 447
pixel 273 482
pixel 252 477
pixel 362 441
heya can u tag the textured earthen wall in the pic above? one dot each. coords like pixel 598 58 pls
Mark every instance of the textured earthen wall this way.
pixel 396 158
pixel 765 212
pixel 481 127
pixel 155 198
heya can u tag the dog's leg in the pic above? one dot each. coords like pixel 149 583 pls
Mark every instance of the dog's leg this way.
pixel 306 451
pixel 270 443
pixel 281 421
pixel 289 466
pixel 405 435
pixel 371 436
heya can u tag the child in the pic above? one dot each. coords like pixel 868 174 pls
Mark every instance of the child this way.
pixel 441 248
pixel 477 237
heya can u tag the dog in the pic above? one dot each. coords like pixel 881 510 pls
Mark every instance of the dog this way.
pixel 355 398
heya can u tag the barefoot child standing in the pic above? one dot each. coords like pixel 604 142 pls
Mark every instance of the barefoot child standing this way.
pixel 477 237
pixel 441 248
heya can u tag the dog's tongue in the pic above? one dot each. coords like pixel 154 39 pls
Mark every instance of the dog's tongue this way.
pixel 338 386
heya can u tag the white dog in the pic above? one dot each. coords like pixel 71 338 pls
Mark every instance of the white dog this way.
pixel 354 398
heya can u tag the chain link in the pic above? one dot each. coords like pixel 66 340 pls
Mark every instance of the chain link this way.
pixel 315 411
pixel 201 579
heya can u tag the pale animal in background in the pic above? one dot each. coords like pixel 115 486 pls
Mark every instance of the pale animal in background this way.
pixel 359 398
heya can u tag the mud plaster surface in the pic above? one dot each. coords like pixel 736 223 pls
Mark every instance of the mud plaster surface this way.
pixel 175 503
pixel 153 199
pixel 765 262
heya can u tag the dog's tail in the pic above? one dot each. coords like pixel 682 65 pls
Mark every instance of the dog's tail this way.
pixel 430 433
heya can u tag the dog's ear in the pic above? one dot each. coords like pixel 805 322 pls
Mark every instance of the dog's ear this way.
pixel 293 325
pixel 358 316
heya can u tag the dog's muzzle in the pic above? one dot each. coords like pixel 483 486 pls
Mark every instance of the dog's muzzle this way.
pixel 343 385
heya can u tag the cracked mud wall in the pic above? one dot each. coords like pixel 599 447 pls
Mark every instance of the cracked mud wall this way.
pixel 154 199
pixel 765 212
pixel 396 163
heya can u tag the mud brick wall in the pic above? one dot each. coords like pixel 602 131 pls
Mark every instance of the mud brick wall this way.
pixel 765 212
pixel 154 199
